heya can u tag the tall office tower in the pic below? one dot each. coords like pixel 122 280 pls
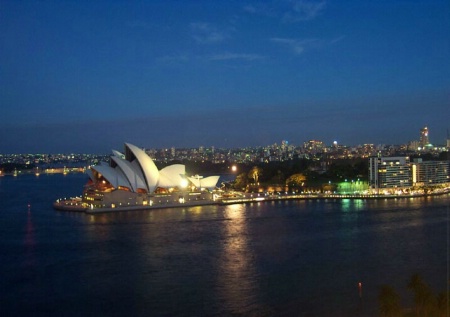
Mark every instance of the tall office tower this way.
pixel 284 145
pixel 424 137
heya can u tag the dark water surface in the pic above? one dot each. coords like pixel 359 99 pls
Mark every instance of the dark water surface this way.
pixel 295 258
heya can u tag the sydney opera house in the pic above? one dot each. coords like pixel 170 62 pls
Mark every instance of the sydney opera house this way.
pixel 132 179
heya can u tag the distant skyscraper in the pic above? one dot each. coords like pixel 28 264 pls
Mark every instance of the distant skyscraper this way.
pixel 413 145
pixel 424 140
pixel 448 140
pixel 313 146
pixel 284 145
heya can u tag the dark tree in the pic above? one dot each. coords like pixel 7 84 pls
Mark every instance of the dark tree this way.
pixel 389 302
pixel 424 301
pixel 241 181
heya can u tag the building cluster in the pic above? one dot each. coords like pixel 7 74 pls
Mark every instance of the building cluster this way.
pixel 400 172
pixel 313 149
pixel 52 160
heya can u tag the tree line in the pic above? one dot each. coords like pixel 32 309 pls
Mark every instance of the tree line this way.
pixel 300 173
pixel 426 302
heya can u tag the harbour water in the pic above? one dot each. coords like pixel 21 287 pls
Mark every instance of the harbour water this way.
pixel 286 258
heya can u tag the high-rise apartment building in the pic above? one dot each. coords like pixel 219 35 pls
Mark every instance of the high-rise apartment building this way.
pixel 430 172
pixel 424 140
pixel 389 172
pixel 413 145
pixel 314 146
pixel 448 140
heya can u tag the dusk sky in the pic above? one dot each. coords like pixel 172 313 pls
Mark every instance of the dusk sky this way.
pixel 87 76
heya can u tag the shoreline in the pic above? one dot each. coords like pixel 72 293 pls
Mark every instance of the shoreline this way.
pixel 76 205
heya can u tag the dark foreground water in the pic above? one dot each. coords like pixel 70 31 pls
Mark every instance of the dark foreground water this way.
pixel 296 258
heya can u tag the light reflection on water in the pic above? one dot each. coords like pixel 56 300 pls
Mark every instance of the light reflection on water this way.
pixel 236 274
pixel 277 258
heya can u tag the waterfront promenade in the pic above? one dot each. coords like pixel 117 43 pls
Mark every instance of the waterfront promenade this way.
pixel 173 200
pixel 39 171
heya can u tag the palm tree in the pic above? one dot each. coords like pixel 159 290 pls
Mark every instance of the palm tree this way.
pixel 389 302
pixel 424 300
pixel 254 173
pixel 442 304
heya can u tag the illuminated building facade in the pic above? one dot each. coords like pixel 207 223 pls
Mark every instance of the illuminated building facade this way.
pixel 133 178
pixel 314 146
pixel 430 172
pixel 389 172
pixel 424 140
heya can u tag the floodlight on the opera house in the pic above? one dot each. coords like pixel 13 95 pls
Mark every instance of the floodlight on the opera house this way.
pixel 184 183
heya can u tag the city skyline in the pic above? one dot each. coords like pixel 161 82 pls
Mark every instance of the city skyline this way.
pixel 413 145
pixel 86 77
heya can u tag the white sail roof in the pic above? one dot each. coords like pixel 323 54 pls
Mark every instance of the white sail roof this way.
pixel 172 176
pixel 148 167
pixel 207 182
pixel 119 154
pixel 136 170
pixel 111 175
pixel 133 176
pixel 90 174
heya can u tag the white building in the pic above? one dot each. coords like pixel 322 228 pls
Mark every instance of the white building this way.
pixel 132 177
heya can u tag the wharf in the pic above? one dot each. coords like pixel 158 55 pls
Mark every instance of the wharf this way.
pixel 75 204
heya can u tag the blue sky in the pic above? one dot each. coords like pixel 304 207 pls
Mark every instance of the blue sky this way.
pixel 87 76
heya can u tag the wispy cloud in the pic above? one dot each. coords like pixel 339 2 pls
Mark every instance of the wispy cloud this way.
pixel 260 9
pixel 296 45
pixel 206 33
pixel 236 56
pixel 138 24
pixel 299 46
pixel 337 39
pixel 250 8
pixel 302 10
pixel 290 11
pixel 174 59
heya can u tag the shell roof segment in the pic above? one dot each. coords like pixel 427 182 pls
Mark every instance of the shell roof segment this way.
pixel 172 175
pixel 114 177
pixel 207 182
pixel 133 176
pixel 148 167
